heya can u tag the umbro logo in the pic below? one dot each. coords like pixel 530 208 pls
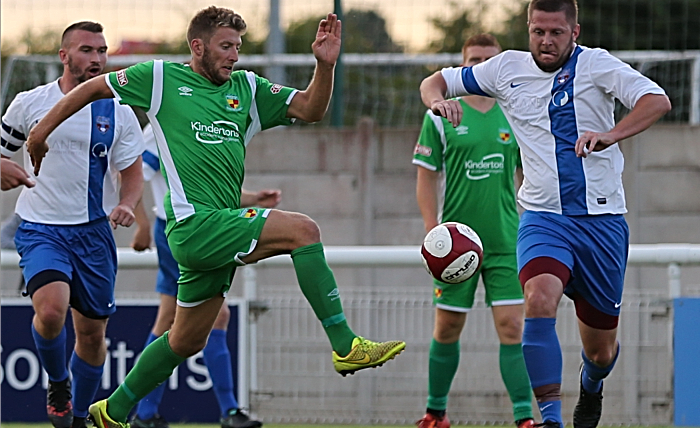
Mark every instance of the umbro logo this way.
pixel 335 294
pixel 185 91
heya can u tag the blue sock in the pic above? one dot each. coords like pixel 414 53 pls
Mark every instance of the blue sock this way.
pixel 592 376
pixel 218 360
pixel 148 406
pixel 544 362
pixel 86 380
pixel 52 354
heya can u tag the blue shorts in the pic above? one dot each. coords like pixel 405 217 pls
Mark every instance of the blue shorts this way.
pixel 168 270
pixel 85 255
pixel 594 248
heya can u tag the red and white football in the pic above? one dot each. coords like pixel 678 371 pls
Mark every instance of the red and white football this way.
pixel 452 252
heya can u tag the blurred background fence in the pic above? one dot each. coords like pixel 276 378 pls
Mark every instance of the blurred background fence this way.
pixel 389 45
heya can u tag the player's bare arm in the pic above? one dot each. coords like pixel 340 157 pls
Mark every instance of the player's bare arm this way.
pixel 649 109
pixel 426 195
pixel 142 236
pixel 432 91
pixel 76 99
pixel 311 104
pixel 131 191
pixel 13 175
pixel 267 198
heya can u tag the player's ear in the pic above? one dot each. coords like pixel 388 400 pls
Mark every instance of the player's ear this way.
pixel 576 31
pixel 197 47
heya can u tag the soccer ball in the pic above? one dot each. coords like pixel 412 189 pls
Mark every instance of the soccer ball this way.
pixel 452 252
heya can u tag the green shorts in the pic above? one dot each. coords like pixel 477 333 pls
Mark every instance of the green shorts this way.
pixel 500 275
pixel 209 245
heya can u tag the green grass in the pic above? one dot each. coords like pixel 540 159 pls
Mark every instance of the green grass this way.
pixel 47 425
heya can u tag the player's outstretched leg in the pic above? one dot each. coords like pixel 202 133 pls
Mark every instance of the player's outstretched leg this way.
pixel 100 418
pixel 350 352
pixel 146 415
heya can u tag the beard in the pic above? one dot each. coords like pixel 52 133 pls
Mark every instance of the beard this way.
pixel 80 75
pixel 548 68
pixel 210 69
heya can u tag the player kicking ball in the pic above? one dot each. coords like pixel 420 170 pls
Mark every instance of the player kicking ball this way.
pixel 204 115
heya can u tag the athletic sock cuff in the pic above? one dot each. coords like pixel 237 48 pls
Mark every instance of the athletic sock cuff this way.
pixel 307 249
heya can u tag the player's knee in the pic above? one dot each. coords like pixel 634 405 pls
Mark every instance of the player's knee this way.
pixel 50 320
pixel 307 231
pixel 538 304
pixel 447 332
pixel 510 328
pixel 602 357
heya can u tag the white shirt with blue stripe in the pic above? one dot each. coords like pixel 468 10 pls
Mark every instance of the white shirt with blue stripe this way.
pixel 78 179
pixel 151 171
pixel 548 112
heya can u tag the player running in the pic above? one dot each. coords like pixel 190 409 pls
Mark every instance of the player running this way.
pixel 203 116
pixel 68 253
pixel 573 239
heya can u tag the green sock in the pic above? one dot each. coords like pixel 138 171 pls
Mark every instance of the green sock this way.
pixel 442 367
pixel 514 374
pixel 154 367
pixel 318 285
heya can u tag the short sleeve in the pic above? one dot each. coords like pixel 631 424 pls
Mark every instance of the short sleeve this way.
pixel 14 129
pixel 428 152
pixel 134 85
pixel 619 79
pixel 128 145
pixel 272 101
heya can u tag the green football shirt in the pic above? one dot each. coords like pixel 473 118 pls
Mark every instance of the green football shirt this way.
pixel 202 129
pixel 476 161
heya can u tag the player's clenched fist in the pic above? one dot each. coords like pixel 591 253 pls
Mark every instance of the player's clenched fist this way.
pixel 121 215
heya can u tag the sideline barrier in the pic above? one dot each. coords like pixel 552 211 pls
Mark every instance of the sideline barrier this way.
pixel 670 255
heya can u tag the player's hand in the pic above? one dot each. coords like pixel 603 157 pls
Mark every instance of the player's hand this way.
pixel 268 198
pixel 121 215
pixel 593 142
pixel 326 47
pixel 13 175
pixel 142 239
pixel 37 148
pixel 449 109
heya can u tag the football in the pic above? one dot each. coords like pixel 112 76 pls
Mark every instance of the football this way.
pixel 452 252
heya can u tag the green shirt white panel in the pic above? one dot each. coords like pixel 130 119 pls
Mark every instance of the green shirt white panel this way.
pixel 477 160
pixel 202 129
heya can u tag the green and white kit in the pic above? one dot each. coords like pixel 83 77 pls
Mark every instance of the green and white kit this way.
pixel 476 161
pixel 202 132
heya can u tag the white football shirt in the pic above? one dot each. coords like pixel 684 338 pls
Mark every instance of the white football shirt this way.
pixel 548 112
pixel 151 171
pixel 78 178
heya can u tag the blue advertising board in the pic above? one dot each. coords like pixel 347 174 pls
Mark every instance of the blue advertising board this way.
pixel 686 348
pixel 188 395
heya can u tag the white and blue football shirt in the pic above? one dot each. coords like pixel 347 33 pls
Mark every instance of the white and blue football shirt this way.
pixel 78 179
pixel 151 171
pixel 548 112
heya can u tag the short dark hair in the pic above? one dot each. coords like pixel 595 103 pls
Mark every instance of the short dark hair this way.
pixel 206 21
pixel 93 27
pixel 569 7
pixel 483 39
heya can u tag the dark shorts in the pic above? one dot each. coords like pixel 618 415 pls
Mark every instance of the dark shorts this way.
pixel 594 248
pixel 168 270
pixel 83 255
